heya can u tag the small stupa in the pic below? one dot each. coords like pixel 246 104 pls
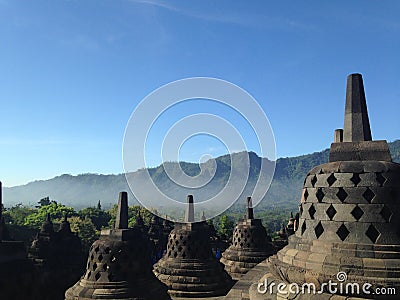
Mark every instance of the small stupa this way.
pixel 57 257
pixel 282 238
pixel 189 268
pixel 119 265
pixel 250 245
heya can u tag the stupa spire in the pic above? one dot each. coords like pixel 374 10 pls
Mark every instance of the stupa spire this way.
pixel 189 216
pixel 356 121
pixel 121 221
pixel 249 209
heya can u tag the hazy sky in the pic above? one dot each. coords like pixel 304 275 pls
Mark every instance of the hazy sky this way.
pixel 72 72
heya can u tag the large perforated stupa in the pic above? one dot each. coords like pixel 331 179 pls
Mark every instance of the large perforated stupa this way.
pixel 350 221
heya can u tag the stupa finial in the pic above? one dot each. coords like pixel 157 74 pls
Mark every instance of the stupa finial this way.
pixel 121 221
pixel 356 121
pixel 249 209
pixel 189 216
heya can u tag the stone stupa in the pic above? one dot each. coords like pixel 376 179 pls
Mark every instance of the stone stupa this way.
pixel 189 268
pixel 250 245
pixel 349 228
pixel 118 265
pixel 58 257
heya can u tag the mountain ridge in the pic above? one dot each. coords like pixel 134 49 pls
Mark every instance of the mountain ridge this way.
pixel 87 189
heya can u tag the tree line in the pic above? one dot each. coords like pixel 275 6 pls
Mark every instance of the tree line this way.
pixel 23 222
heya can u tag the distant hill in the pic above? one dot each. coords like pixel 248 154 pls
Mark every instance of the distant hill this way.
pixel 87 189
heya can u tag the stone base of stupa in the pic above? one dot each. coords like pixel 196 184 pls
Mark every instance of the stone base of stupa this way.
pixel 239 262
pixel 191 278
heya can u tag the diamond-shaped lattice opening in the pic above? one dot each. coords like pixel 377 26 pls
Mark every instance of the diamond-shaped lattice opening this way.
pixel 357 213
pixel 319 229
pixel 372 233
pixel 314 180
pixel 97 276
pixel 312 211
pixel 303 227
pixel 94 267
pixel 105 266
pixel 305 195
pixel 368 195
pixel 97 249
pixel 107 250
pixel 355 179
pixel 331 212
pixel 301 209
pixel 386 213
pixel 88 274
pixel 380 178
pixel 320 194
pixel 331 179
pixel 100 258
pixel 342 232
pixel 341 194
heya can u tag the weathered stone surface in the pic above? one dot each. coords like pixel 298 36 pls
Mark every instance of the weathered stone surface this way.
pixel 189 216
pixel 57 257
pixel 371 150
pixel 189 268
pixel 351 214
pixel 356 121
pixel 118 265
pixel 250 245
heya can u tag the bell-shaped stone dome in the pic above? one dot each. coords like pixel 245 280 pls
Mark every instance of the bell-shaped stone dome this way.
pixel 349 220
pixel 250 245
pixel 118 266
pixel 189 268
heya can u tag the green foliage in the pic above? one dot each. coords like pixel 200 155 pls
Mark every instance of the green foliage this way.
pixel 133 213
pixel 225 226
pixel 44 202
pixel 56 211
pixel 17 214
pixel 99 218
pixel 86 231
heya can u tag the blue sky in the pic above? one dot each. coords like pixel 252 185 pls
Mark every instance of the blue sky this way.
pixel 72 72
